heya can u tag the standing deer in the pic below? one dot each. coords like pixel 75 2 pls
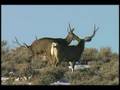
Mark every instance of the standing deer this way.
pixel 73 53
pixel 43 46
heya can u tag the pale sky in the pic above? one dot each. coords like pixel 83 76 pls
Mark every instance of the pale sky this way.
pixel 27 21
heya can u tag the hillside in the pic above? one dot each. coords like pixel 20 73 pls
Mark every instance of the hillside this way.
pixel 15 63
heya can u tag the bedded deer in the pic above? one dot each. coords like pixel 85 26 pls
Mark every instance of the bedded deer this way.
pixel 72 53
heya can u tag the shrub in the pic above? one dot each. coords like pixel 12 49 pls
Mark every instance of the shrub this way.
pixel 104 69
pixel 105 54
pixel 90 53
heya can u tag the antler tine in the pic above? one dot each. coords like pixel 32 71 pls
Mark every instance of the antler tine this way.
pixel 16 41
pixel 67 29
pixel 36 38
pixel 95 29
pixel 70 27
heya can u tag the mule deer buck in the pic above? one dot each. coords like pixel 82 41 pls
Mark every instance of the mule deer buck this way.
pixel 73 53
pixel 42 46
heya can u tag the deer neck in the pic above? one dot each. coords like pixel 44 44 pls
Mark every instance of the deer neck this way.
pixel 81 44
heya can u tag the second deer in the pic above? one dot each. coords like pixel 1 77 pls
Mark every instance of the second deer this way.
pixel 73 53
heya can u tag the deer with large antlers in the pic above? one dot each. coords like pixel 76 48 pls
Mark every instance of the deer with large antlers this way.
pixel 43 46
pixel 73 53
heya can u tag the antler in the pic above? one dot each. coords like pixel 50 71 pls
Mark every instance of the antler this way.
pixel 16 41
pixel 36 38
pixel 71 29
pixel 88 38
pixel 94 32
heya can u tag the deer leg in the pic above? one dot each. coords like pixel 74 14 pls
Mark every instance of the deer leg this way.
pixel 73 64
pixel 49 59
pixel 57 60
pixel 53 61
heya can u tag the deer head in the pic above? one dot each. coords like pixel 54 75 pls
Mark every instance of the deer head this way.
pixel 89 38
pixel 70 35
